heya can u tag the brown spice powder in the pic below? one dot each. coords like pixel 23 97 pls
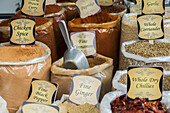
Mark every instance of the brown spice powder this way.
pixel 52 9
pixel 18 54
pixel 145 49
pixel 114 9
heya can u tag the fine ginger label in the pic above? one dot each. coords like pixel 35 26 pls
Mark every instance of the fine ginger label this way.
pixel 22 31
pixel 145 82
pixel 150 27
pixel 105 2
pixel 33 7
pixel 153 7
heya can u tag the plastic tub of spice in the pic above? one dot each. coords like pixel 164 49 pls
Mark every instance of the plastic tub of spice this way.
pixel 17 67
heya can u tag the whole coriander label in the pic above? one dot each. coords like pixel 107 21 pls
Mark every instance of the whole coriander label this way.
pixel 145 82
pixel 87 7
pixel 85 89
pixel 150 27
pixel 33 7
pixel 84 41
pixel 22 31
pixel 42 91
pixel 105 2
pixel 33 107
pixel 153 6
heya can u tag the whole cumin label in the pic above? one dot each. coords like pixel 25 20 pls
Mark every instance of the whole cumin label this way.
pixel 42 91
pixel 22 31
pixel 145 82
pixel 150 27
pixel 105 2
pixel 85 89
pixel 33 7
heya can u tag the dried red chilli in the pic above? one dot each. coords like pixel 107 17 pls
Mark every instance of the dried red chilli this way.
pixel 123 105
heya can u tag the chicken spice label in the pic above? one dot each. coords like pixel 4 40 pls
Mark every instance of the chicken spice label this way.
pixel 84 41
pixel 105 2
pixel 42 91
pixel 87 7
pixel 33 7
pixel 85 89
pixel 153 6
pixel 150 27
pixel 22 31
pixel 145 82
pixel 33 107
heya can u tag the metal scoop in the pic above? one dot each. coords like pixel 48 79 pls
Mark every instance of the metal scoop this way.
pixel 73 58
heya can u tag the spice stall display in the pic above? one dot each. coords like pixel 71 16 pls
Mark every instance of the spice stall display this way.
pixel 17 67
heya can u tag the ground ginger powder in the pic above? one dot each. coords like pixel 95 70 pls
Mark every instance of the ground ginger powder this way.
pixel 18 54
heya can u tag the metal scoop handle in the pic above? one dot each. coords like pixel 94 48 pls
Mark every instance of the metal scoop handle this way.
pixel 65 34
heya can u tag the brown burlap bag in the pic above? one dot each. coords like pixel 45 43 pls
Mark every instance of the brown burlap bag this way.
pixel 100 66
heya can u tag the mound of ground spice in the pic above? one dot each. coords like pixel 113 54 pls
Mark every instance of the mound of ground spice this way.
pixel 52 9
pixel 19 54
pixel 114 9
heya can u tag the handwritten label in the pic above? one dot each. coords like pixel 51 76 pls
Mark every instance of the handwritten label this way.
pixel 50 2
pixel 105 2
pixel 32 107
pixel 145 82
pixel 84 41
pixel 33 7
pixel 153 6
pixel 22 31
pixel 85 89
pixel 87 7
pixel 42 91
pixel 150 27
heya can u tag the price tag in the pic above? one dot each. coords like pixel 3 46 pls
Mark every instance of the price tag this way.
pixel 42 91
pixel 153 6
pixel 105 2
pixel 33 107
pixel 33 7
pixel 22 31
pixel 85 89
pixel 150 27
pixel 87 7
pixel 145 82
pixel 84 41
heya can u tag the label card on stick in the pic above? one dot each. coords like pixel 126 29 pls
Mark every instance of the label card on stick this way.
pixel 33 7
pixel 42 91
pixel 85 89
pixel 145 82
pixel 84 41
pixel 33 107
pixel 153 6
pixel 106 2
pixel 138 2
pixel 22 31
pixel 150 27
pixel 87 7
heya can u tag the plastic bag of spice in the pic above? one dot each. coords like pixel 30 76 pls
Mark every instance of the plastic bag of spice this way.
pixel 120 80
pixel 142 53
pixel 17 67
pixel 100 66
pixel 129 29
pixel 107 33
pixel 44 32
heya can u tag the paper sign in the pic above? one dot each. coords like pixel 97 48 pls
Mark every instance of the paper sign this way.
pixel 105 2
pixel 85 89
pixel 84 41
pixel 33 7
pixel 153 6
pixel 42 91
pixel 32 107
pixel 87 7
pixel 145 82
pixel 50 2
pixel 150 27
pixel 22 31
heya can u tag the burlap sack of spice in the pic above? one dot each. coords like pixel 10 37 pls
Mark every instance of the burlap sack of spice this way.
pixel 44 32
pixel 129 29
pixel 120 80
pixel 16 76
pixel 100 66
pixel 142 53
